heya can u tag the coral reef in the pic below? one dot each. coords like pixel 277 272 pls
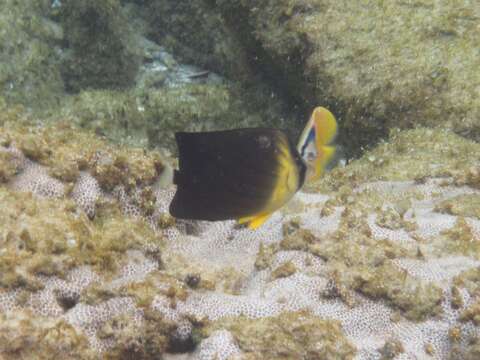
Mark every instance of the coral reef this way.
pixel 26 336
pixel 377 65
pixel 102 49
pixel 198 35
pixel 150 116
pixel 91 63
pixel 291 335
pixel 382 264
pixel 378 260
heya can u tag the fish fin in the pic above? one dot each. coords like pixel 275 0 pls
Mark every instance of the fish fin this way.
pixel 246 219
pixel 324 158
pixel 325 126
pixel 257 221
pixel 327 154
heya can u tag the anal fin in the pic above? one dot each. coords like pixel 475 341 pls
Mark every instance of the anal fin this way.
pixel 255 221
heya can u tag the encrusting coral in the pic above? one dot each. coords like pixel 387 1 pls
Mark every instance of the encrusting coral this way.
pixel 383 262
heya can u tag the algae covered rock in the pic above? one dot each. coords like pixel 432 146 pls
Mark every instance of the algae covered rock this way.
pixel 416 155
pixel 376 64
pixel 29 72
pixel 102 48
pixel 196 33
pixel 292 335
pixel 150 117
pixel 383 262
pixel 26 336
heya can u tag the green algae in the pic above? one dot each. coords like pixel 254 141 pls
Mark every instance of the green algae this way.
pixel 391 349
pixel 47 236
pixel 472 313
pixel 408 155
pixel 355 261
pixel 471 352
pixel 285 269
pixel 29 72
pixel 226 279
pixel 132 340
pixel 41 236
pixel 102 48
pixel 459 240
pixel 291 335
pixel 26 336
pixel 149 117
pixel 462 205
pixel 76 150
pixel 198 35
pixel 114 114
pixel 329 50
pixel 155 283
pixel 7 167
pixel 265 256
pixel 199 107
pixel 469 279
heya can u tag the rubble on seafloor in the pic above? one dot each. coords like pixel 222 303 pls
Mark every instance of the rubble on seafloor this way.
pixel 379 260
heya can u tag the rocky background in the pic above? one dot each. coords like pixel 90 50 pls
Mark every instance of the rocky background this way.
pixel 378 260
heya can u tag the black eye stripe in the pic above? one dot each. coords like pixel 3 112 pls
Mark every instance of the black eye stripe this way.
pixel 310 137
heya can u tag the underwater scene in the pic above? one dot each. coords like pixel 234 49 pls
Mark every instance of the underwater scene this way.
pixel 240 180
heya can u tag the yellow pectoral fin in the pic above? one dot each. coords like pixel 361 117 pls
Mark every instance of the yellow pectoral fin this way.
pixel 325 126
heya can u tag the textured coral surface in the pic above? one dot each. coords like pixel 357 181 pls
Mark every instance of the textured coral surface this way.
pixel 379 260
pixel 378 64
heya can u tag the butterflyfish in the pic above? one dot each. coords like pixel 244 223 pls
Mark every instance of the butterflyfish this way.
pixel 247 174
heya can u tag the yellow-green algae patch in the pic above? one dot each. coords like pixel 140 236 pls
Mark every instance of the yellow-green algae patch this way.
pixel 29 56
pixel 356 261
pixel 41 236
pixel 461 205
pixel 472 313
pixel 143 292
pixel 458 240
pixel 391 349
pixel 150 116
pixel 134 340
pixel 111 58
pixel 424 72
pixel 408 155
pixel 291 335
pixel 470 280
pixel 8 167
pixel 26 336
pixel 284 270
pixel 66 150
pixel 469 352
pixel 227 279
